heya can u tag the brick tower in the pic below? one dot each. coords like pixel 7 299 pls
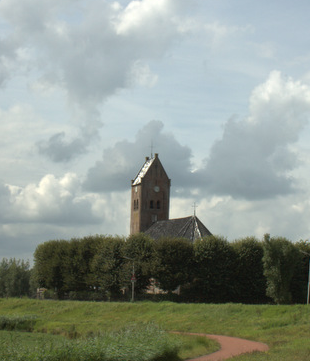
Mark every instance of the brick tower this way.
pixel 150 196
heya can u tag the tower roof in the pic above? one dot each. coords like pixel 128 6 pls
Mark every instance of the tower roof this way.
pixel 190 228
pixel 143 170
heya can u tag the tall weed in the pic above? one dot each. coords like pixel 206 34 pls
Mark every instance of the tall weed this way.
pixel 135 343
pixel 17 323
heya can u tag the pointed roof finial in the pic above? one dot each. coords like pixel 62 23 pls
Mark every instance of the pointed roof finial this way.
pixel 194 206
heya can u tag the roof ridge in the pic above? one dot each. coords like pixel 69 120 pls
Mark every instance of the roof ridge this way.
pixel 186 225
pixel 143 170
pixel 197 226
pixel 201 225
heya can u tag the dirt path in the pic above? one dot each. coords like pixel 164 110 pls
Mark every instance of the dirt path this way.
pixel 230 347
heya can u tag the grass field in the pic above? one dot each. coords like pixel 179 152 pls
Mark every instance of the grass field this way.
pixel 286 329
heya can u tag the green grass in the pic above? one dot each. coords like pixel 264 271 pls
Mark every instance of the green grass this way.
pixel 17 323
pixel 194 346
pixel 22 342
pixel 284 328
pixel 135 343
pixel 29 339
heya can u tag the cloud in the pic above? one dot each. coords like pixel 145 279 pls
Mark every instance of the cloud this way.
pixel 61 149
pixel 20 126
pixel 5 201
pixel 56 208
pixel 254 159
pixel 19 119
pixel 233 218
pixel 89 51
pixel 122 162
pixel 58 149
pixel 52 201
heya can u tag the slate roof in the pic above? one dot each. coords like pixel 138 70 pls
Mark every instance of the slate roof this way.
pixel 190 228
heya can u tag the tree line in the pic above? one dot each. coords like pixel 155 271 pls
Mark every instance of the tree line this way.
pixel 15 278
pixel 210 270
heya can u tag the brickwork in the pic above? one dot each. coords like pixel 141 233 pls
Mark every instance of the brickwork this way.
pixel 150 196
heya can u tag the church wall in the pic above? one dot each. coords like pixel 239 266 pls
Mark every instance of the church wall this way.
pixel 153 197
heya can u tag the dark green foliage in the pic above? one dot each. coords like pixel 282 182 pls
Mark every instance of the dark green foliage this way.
pixel 299 283
pixel 50 260
pixel 280 260
pixel 139 249
pixel 77 267
pixel 108 266
pixel 215 277
pixel 65 267
pixel 250 279
pixel 173 261
pixel 14 278
pixel 210 270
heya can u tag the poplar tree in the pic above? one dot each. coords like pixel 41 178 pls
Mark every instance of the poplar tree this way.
pixel 280 260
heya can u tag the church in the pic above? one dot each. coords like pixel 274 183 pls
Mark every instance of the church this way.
pixel 150 201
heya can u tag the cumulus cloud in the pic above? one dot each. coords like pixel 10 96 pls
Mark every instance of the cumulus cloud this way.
pixel 122 162
pixel 254 159
pixel 17 120
pixel 56 208
pixel 236 218
pixel 5 201
pixel 59 149
pixel 90 51
pixel 51 201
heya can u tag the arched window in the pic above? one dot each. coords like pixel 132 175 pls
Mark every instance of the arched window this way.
pixel 158 205
pixel 151 204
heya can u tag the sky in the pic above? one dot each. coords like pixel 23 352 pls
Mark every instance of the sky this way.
pixel 220 89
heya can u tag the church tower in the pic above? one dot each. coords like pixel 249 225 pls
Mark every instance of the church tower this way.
pixel 150 196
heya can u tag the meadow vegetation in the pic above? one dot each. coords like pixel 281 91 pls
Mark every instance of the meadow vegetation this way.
pixel 226 288
pixel 143 343
pixel 285 328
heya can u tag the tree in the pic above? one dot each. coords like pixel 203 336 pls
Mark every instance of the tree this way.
pixel 173 259
pixel 140 250
pixel 108 266
pixel 14 278
pixel 299 283
pixel 250 279
pixel 215 261
pixel 280 259
pixel 49 265
pixel 77 267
